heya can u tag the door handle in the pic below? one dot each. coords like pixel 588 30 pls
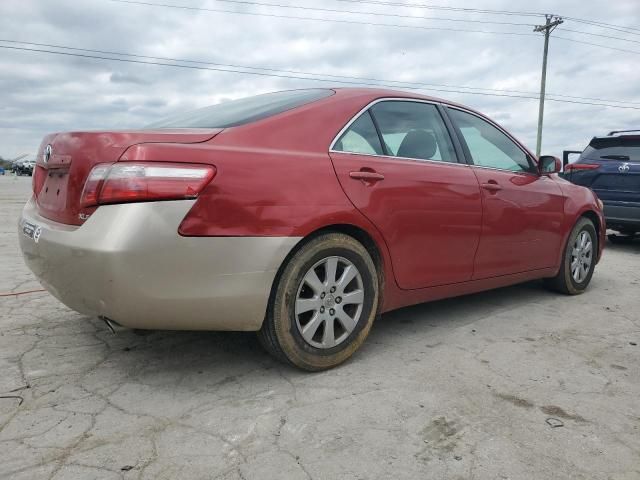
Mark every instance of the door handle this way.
pixel 491 186
pixel 366 176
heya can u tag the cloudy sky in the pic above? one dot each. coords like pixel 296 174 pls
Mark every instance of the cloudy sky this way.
pixel 44 92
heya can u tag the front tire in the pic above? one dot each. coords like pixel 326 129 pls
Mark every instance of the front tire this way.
pixel 324 304
pixel 578 261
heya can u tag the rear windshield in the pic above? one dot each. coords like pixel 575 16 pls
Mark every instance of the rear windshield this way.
pixel 614 148
pixel 242 111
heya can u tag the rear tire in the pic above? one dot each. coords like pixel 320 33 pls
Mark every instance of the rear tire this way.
pixel 324 304
pixel 578 260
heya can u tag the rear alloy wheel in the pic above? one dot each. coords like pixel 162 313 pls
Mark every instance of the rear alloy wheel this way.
pixel 324 304
pixel 579 260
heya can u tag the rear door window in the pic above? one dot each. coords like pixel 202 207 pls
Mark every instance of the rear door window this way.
pixel 413 130
pixel 361 137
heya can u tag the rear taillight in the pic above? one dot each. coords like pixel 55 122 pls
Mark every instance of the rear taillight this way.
pixel 574 167
pixel 93 185
pixel 144 182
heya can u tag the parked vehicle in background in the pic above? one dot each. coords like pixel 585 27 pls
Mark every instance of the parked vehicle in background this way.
pixel 301 215
pixel 610 166
pixel 24 167
pixel 1 170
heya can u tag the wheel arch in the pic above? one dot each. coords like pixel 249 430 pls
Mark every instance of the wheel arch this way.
pixel 601 229
pixel 593 216
pixel 358 233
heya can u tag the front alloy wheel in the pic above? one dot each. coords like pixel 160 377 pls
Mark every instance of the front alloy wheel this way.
pixel 578 261
pixel 582 256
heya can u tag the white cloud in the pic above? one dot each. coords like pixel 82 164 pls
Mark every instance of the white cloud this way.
pixel 43 93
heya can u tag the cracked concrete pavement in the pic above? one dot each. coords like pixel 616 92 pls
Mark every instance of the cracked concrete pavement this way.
pixel 456 389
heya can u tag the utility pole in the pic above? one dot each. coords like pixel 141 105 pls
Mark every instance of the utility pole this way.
pixel 552 22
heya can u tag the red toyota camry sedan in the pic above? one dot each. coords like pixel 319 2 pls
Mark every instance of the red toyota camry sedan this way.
pixel 301 215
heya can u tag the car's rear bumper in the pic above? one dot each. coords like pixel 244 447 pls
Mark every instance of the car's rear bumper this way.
pixel 622 214
pixel 128 263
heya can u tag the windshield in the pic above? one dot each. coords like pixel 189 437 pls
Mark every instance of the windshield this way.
pixel 242 111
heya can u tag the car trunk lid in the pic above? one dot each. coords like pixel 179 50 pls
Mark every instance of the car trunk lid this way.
pixel 65 159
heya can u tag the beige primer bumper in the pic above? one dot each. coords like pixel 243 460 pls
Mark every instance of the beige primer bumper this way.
pixel 129 264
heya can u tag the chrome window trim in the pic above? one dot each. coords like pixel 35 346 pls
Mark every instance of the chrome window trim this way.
pixel 505 170
pixel 391 157
pixel 439 162
pixel 392 99
pixel 500 129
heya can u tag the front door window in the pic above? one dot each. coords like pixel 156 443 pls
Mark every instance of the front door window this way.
pixel 488 146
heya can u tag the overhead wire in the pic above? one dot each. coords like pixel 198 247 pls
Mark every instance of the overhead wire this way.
pixel 278 75
pixel 611 37
pixel 446 8
pixel 567 39
pixel 620 28
pixel 379 14
pixel 382 81
pixel 610 26
pixel 316 19
pixel 357 22
pixel 352 12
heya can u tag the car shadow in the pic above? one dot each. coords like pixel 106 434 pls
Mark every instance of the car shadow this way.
pixel 624 244
pixel 183 352
pixel 452 313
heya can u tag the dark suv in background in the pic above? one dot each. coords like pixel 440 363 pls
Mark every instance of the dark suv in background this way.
pixel 610 166
pixel 24 167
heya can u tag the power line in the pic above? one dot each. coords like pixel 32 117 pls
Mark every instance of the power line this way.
pixel 378 14
pixel 400 83
pixel 635 52
pixel 600 35
pixel 420 27
pixel 276 75
pixel 447 8
pixel 356 12
pixel 619 28
pixel 314 19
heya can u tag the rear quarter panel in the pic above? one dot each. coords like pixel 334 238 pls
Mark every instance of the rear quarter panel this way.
pixel 274 178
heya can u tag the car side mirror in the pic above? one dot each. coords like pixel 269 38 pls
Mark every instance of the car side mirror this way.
pixel 548 164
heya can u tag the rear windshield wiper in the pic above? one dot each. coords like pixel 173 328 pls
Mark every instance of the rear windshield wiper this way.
pixel 615 157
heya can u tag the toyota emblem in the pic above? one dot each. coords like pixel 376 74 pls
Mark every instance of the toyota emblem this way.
pixel 624 168
pixel 47 154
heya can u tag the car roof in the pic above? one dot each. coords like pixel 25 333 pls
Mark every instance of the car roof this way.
pixel 375 93
pixel 618 135
pixel 620 132
pixel 612 140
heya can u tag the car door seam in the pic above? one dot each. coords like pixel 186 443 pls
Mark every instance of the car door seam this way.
pixel 369 221
pixel 482 226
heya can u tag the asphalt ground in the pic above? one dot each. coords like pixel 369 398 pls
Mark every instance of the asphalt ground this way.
pixel 516 383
